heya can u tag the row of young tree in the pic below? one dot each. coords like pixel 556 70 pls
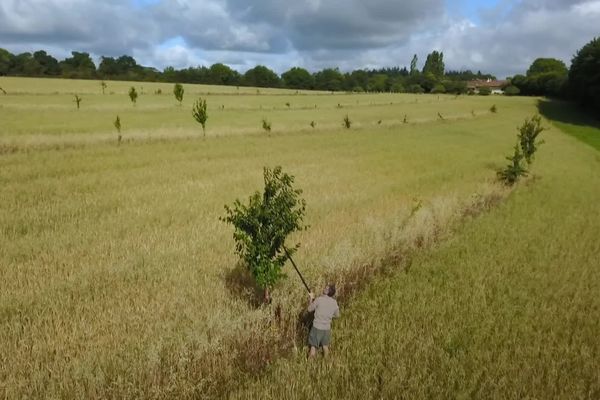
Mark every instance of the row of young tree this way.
pixel 432 78
pixel 551 77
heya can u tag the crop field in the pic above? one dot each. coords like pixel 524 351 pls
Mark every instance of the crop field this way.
pixel 120 281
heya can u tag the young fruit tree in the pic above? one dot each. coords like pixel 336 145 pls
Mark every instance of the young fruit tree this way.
pixel 528 134
pixel 77 101
pixel 178 92
pixel 200 114
pixel 103 86
pixel 514 170
pixel 262 226
pixel 117 125
pixel 133 95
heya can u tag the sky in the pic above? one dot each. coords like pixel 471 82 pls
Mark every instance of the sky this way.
pixel 501 37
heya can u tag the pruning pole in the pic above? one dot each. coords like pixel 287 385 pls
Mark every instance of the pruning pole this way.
pixel 296 268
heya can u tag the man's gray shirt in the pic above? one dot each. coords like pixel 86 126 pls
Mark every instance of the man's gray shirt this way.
pixel 325 308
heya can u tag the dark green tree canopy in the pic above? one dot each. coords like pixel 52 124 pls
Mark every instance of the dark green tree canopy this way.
pixel 584 76
pixel 261 76
pixel 547 65
pixel 298 78
pixel 434 64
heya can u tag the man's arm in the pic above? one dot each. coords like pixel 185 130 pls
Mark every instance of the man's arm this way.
pixel 312 304
pixel 336 313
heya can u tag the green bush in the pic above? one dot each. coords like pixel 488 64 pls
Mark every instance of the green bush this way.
pixel 485 91
pixel 178 92
pixel 512 90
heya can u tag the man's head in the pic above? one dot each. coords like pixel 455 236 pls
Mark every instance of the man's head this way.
pixel 329 290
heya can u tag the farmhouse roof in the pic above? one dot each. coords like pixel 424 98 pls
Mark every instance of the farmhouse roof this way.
pixel 489 83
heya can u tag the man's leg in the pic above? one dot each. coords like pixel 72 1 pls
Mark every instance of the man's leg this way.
pixel 312 352
pixel 325 351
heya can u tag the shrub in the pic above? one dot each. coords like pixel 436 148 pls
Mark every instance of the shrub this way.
pixel 512 90
pixel 199 111
pixel 415 88
pixel 346 123
pixel 103 86
pixel 178 92
pixel 438 88
pixel 313 124
pixel 485 91
pixel 493 109
pixel 262 226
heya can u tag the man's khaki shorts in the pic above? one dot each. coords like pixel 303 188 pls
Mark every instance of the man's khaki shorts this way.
pixel 319 337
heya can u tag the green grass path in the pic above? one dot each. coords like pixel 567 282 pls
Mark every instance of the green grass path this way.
pixel 508 308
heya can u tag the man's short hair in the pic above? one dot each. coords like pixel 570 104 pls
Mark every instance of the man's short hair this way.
pixel 331 290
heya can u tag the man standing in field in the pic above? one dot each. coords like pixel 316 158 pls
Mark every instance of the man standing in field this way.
pixel 325 308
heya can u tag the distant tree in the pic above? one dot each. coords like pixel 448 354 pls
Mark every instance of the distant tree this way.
pixel 298 78
pixel 200 113
pixel 261 76
pixel 584 76
pixel 545 77
pixel 329 79
pixel 133 95
pixel 221 74
pixel 413 65
pixel 49 65
pixel 79 65
pixel 455 87
pixel 545 65
pixel 434 64
pixel 379 83
pixel 103 86
pixel 6 61
pixel 178 92
pixel 485 91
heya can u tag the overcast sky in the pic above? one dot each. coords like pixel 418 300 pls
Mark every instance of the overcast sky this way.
pixel 502 37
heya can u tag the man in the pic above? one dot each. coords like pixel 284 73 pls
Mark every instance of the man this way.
pixel 325 308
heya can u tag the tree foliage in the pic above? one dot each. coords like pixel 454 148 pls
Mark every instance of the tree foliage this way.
pixel 584 76
pixel 261 76
pixel 298 78
pixel 262 225
pixel 434 64
pixel 133 95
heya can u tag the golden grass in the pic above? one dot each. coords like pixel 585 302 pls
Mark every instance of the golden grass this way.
pixel 119 280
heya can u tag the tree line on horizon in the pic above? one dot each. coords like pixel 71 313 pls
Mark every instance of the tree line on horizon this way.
pixel 432 78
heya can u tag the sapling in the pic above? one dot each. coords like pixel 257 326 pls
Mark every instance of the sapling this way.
pixel 528 134
pixel 313 124
pixel 200 113
pixel 494 109
pixel 346 123
pixel 440 116
pixel 262 226
pixel 405 120
pixel 103 86
pixel 178 92
pixel 77 100
pixel 514 170
pixel 266 125
pixel 133 95
pixel 117 125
